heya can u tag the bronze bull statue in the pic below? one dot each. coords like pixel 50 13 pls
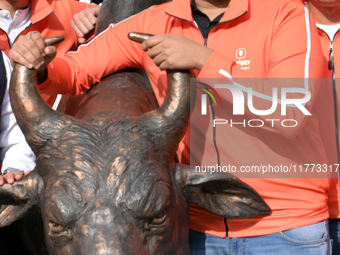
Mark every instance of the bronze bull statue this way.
pixel 106 181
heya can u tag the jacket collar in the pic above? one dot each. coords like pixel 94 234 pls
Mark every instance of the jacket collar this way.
pixel 40 9
pixel 181 9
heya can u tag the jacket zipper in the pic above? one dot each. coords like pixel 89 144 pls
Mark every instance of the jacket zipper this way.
pixel 206 39
pixel 9 43
pixel 331 56
pixel 205 44
pixel 32 24
pixel 331 66
pixel 211 104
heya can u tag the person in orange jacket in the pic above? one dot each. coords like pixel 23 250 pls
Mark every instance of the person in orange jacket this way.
pixel 49 17
pixel 327 17
pixel 73 20
pixel 223 39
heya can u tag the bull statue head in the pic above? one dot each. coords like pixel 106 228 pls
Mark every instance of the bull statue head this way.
pixel 108 183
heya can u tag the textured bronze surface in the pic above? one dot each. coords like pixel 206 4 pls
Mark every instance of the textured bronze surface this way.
pixel 106 182
pixel 114 11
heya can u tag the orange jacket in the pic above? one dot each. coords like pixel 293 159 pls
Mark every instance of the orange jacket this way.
pixel 278 41
pixel 324 109
pixel 51 18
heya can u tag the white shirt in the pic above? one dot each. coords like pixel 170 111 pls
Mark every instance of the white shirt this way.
pixel 330 30
pixel 15 152
pixel 13 27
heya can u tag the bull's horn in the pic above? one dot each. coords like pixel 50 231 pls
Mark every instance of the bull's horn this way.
pixel 32 113
pixel 172 117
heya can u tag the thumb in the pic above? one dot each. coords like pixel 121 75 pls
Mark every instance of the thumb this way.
pixel 96 11
pixel 50 52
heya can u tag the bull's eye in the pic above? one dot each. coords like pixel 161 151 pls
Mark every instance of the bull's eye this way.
pixel 55 227
pixel 160 218
pixel 57 230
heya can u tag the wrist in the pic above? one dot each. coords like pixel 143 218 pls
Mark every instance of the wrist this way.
pixel 204 57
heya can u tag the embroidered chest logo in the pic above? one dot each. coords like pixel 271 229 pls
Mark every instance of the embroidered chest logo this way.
pixel 241 54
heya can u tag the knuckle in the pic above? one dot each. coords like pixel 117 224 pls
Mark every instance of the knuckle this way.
pixel 35 62
pixel 88 13
pixel 170 62
pixel 12 54
pixel 35 35
pixel 22 38
pixel 29 44
pixel 162 67
pixel 144 46
pixel 157 63
pixel 16 58
pixel 167 53
pixel 23 51
pixel 80 33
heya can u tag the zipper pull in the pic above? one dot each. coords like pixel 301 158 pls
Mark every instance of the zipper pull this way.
pixel 331 57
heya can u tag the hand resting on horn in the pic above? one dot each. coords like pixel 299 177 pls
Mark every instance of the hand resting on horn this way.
pixel 176 52
pixel 30 51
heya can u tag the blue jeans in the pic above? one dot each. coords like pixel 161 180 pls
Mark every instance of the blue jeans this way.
pixel 334 232
pixel 307 240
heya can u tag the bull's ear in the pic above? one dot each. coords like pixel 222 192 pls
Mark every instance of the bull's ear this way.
pixel 220 193
pixel 18 199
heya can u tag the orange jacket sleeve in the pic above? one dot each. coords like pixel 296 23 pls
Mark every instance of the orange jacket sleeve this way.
pixel 292 51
